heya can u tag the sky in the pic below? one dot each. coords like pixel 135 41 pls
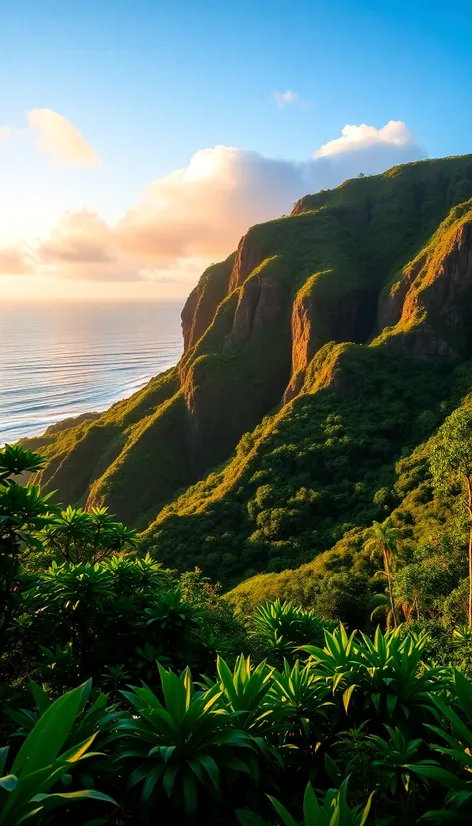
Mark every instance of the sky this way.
pixel 139 139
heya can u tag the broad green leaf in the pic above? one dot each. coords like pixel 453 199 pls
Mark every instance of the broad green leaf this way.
pixel 45 741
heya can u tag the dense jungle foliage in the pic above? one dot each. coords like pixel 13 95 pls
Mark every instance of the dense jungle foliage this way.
pixel 131 693
pixel 323 466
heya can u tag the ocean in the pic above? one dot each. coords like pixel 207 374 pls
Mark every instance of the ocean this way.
pixel 62 360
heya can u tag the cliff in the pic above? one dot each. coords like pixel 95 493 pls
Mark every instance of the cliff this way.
pixel 316 315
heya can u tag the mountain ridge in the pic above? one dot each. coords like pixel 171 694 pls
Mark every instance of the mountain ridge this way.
pixel 373 276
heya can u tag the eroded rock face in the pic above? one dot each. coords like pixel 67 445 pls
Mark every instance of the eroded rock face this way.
pixel 248 257
pixel 188 318
pixel 318 319
pixel 201 305
pixel 436 312
pixel 262 300
pixel 228 390
pixel 390 306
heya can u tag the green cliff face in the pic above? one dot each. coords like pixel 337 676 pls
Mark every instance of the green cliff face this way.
pixel 320 353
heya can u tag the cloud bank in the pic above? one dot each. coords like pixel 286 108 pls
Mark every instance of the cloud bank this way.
pixel 16 261
pixel 197 214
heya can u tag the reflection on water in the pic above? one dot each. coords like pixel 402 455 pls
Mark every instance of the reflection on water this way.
pixel 59 361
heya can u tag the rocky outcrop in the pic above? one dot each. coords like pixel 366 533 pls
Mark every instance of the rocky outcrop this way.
pixel 188 318
pixel 247 258
pixel 391 300
pixel 320 316
pixel 437 297
pixel 261 301
pixel 239 369
pixel 201 305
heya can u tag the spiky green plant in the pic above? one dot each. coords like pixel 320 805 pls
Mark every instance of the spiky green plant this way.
pixel 183 748
pixel 385 673
pixel 333 811
pixel 395 758
pixel 298 698
pixel 339 662
pixel 243 692
pixel 282 627
pixel 456 734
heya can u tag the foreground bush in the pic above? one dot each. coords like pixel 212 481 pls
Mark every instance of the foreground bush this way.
pixel 241 746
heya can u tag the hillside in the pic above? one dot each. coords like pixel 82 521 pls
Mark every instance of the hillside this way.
pixel 319 359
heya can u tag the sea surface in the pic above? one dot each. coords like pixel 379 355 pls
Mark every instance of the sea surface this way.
pixel 62 360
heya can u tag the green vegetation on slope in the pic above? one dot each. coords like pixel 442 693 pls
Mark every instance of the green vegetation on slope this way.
pixel 321 467
pixel 295 284
pixel 80 455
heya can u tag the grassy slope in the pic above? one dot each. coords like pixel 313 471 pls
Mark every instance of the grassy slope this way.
pixel 421 272
pixel 417 509
pixel 321 467
pixel 79 455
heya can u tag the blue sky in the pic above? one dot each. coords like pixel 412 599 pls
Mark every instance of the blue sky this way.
pixel 148 84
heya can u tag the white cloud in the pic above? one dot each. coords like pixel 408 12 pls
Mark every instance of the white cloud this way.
pixel 394 133
pixel 288 98
pixel 5 133
pixel 58 138
pixel 197 214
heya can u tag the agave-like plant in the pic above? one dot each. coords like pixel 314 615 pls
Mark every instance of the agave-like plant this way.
pixel 457 749
pixel 171 613
pixel 298 697
pixel 462 635
pixel 28 790
pixel 243 692
pixel 133 575
pixel 282 627
pixel 333 811
pixel 395 681
pixel 385 673
pixel 185 747
pixel 339 662
pixel 395 759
